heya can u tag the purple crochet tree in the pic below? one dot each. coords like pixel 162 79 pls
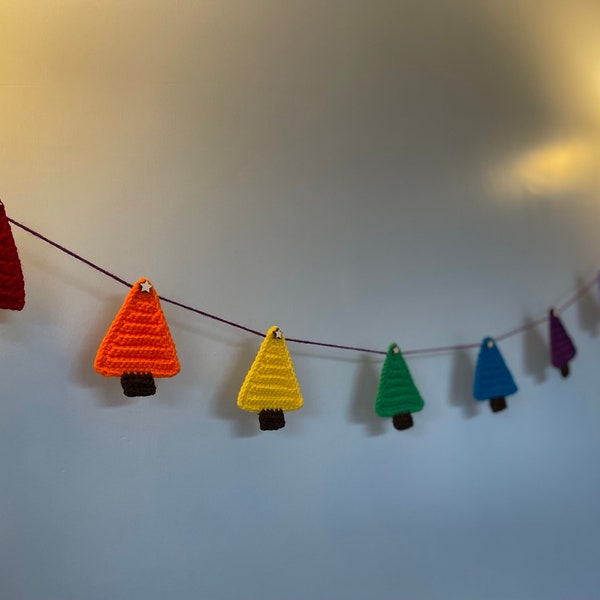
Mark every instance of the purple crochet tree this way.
pixel 562 349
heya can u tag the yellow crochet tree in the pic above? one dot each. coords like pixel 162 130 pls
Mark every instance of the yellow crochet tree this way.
pixel 270 386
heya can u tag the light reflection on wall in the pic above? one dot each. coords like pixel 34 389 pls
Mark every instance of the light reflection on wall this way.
pixel 548 170
pixel 564 46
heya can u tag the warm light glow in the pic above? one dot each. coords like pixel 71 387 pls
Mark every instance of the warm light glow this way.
pixel 555 168
pixel 549 170
pixel 563 49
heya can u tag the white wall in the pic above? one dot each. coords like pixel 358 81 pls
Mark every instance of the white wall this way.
pixel 354 172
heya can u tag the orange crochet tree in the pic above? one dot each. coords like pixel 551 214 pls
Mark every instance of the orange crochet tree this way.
pixel 138 346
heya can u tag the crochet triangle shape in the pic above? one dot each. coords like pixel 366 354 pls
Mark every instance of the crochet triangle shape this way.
pixel 271 383
pixel 492 377
pixel 562 349
pixel 139 340
pixel 397 392
pixel 12 284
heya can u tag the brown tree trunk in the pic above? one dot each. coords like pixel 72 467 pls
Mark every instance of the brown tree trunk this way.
pixel 138 384
pixel 498 404
pixel 271 419
pixel 564 370
pixel 402 421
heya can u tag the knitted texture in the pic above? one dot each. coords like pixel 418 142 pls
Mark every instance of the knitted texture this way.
pixel 138 384
pixel 397 391
pixel 12 284
pixel 562 349
pixel 492 377
pixel 271 382
pixel 139 340
pixel 271 420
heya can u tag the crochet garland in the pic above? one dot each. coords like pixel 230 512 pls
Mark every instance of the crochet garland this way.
pixel 138 347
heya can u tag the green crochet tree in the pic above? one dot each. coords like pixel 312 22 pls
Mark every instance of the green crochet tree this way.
pixel 397 396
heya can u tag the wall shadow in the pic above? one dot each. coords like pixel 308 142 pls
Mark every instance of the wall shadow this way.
pixel 588 311
pixel 108 390
pixel 224 403
pixel 535 352
pixel 362 406
pixel 461 385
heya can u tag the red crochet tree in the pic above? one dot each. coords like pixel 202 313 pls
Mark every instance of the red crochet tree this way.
pixel 12 284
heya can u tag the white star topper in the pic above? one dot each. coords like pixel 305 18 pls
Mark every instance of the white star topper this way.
pixel 146 285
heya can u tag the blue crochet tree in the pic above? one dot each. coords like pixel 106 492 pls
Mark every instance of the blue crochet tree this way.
pixel 493 380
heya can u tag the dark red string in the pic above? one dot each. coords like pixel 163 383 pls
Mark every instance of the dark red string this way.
pixel 419 351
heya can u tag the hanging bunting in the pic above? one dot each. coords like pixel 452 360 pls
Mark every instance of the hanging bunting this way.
pixel 413 352
pixel 493 380
pixel 12 283
pixel 562 349
pixel 270 387
pixel 138 345
pixel 397 396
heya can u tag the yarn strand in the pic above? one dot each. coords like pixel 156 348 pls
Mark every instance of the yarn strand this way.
pixel 579 293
